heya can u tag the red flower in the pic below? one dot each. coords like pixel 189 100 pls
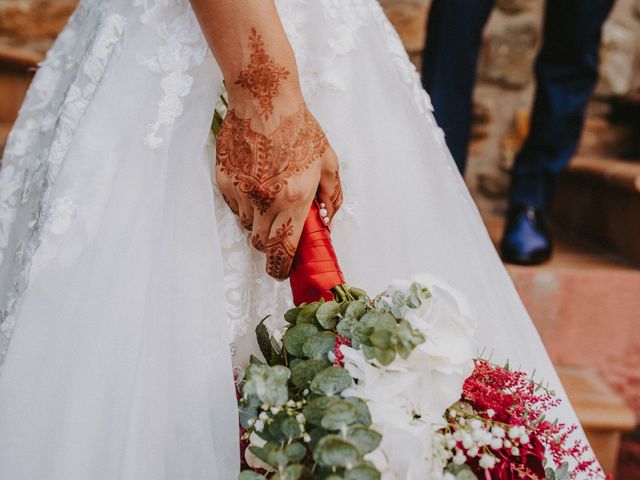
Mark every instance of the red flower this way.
pixel 515 400
pixel 340 341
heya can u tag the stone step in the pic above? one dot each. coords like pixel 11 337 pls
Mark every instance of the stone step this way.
pixel 602 412
pixel 599 199
pixel 585 305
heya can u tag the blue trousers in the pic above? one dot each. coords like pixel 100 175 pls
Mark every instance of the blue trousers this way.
pixel 566 72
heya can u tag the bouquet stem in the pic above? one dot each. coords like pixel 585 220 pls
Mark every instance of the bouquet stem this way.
pixel 316 273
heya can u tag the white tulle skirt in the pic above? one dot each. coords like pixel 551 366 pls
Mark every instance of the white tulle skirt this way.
pixel 124 279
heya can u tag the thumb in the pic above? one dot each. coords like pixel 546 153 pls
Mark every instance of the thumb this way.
pixel 330 190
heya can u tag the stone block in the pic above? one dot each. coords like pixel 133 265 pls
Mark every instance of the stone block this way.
pixel 617 60
pixel 34 19
pixel 512 7
pixel 409 17
pixel 508 55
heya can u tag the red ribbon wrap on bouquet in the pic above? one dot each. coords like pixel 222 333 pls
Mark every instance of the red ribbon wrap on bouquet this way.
pixel 315 270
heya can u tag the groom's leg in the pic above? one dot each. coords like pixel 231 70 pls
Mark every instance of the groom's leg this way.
pixel 450 58
pixel 566 73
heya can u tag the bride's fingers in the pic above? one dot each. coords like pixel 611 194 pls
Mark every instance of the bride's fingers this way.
pixel 330 191
pixel 246 214
pixel 283 240
pixel 232 204
pixel 261 230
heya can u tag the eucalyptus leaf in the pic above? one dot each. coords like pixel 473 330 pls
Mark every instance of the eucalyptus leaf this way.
pixel 364 438
pixel 269 384
pixel 382 339
pixel 461 472
pixel 385 357
pixel 250 475
pixel 364 416
pixel 261 453
pixel 295 451
pixel 362 471
pixel 247 413
pixel 399 299
pixel 316 408
pixel 275 456
pixel 340 415
pixel 334 452
pixel 291 316
pixel 291 429
pixel 295 337
pixel 355 310
pixel 319 345
pixel 331 381
pixel 316 434
pixel 304 371
pixel 414 301
pixel 327 314
pixel 308 314
pixel 293 472
pixel 346 326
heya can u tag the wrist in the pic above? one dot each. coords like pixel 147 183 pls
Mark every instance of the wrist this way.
pixel 285 101
pixel 286 91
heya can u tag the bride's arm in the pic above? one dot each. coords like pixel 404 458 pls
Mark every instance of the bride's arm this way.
pixel 273 157
pixel 229 27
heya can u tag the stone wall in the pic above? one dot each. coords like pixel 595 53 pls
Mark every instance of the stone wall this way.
pixel 505 88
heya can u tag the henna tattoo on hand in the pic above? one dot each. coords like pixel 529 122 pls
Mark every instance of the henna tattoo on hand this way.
pixel 246 222
pixel 280 251
pixel 258 243
pixel 228 202
pixel 336 196
pixel 262 76
pixel 260 165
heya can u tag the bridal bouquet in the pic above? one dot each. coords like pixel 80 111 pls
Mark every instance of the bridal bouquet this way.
pixel 362 388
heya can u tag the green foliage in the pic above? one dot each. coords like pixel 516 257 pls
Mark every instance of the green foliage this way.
pixel 461 472
pixel 327 315
pixel 305 371
pixel 294 401
pixel 331 381
pixel 270 351
pixel 250 475
pixel 335 452
pixel 562 473
pixel 319 345
pixel 295 338
pixel 268 384
pixel 383 337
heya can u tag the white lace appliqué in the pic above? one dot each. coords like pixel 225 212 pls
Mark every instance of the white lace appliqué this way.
pixel 183 47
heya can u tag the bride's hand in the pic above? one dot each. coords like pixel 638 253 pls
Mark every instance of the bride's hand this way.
pixel 270 166
pixel 272 156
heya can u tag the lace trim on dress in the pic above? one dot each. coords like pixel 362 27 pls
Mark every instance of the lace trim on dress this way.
pixel 34 126
pixel 62 120
pixel 183 47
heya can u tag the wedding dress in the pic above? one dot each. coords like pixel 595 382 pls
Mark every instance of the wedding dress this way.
pixel 123 276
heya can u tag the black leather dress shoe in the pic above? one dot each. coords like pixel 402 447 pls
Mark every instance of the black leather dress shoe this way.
pixel 526 239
